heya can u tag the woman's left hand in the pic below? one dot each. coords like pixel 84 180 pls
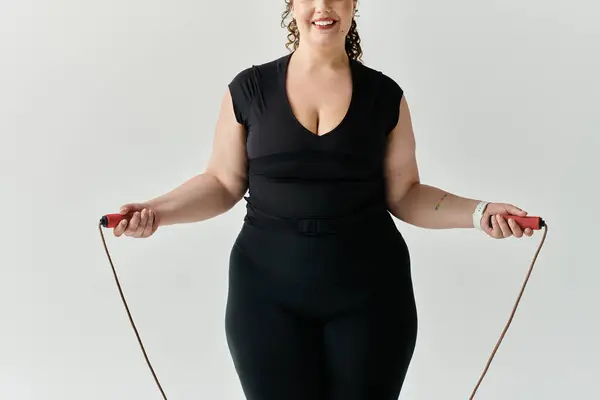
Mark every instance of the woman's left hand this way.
pixel 503 227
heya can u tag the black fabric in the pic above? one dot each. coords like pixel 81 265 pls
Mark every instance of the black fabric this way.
pixel 294 173
pixel 320 303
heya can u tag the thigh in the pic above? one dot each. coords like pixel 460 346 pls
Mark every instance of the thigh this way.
pixel 277 354
pixel 369 349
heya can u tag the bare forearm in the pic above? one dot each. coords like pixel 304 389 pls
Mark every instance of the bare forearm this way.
pixel 200 198
pixel 433 208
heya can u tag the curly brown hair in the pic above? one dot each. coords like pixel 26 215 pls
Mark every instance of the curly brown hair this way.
pixel 353 47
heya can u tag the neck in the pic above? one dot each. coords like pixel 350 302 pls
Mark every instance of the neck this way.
pixel 317 58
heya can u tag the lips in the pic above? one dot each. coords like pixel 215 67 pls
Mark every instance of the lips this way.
pixel 324 23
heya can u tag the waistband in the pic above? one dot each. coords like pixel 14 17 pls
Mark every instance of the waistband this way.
pixel 314 226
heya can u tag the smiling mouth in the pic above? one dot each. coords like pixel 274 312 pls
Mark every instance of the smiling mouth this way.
pixel 324 24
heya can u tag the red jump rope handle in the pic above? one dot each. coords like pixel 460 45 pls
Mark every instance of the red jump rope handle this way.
pixel 112 220
pixel 534 223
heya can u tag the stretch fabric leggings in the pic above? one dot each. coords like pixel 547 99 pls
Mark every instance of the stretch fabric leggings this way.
pixel 321 317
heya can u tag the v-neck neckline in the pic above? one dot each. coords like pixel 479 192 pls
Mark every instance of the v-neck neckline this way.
pixel 284 75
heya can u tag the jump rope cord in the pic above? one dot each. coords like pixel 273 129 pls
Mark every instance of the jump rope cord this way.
pixel 130 317
pixel 476 386
pixel 512 313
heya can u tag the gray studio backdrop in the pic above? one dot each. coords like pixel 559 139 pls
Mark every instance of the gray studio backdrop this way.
pixel 107 102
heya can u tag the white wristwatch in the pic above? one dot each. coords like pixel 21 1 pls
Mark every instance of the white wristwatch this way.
pixel 478 213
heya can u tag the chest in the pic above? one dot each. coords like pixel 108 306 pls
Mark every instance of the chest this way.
pixel 319 103
pixel 295 116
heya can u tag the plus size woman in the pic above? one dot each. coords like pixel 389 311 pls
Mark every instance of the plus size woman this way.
pixel 321 304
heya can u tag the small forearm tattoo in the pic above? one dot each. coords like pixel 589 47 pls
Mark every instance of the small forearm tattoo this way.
pixel 440 202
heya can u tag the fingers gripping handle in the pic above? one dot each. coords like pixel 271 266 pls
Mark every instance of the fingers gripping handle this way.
pixel 112 220
pixel 533 223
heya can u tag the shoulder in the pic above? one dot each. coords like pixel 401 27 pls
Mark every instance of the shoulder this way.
pixel 248 81
pixel 384 82
pixel 252 82
pixel 392 87
pixel 254 72
pixel 387 94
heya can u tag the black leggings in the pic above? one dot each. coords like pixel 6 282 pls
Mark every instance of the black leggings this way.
pixel 321 317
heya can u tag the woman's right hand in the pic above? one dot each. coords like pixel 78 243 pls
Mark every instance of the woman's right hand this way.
pixel 142 224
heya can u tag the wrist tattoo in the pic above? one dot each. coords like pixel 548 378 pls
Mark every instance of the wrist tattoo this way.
pixel 440 202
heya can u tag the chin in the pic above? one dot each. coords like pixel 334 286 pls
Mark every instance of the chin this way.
pixel 325 42
pixel 330 40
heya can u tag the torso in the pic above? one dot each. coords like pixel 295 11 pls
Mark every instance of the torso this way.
pixel 315 148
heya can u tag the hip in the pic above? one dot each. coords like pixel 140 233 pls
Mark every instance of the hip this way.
pixel 322 275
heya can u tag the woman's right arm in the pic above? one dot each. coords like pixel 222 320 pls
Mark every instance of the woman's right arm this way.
pixel 220 187
pixel 209 194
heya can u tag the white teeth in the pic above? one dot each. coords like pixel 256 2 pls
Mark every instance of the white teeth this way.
pixel 323 23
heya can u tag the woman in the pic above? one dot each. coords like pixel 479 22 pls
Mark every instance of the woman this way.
pixel 320 303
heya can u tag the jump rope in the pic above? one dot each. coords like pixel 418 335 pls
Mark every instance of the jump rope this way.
pixel 534 223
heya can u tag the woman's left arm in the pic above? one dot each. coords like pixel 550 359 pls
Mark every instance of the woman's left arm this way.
pixel 430 207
